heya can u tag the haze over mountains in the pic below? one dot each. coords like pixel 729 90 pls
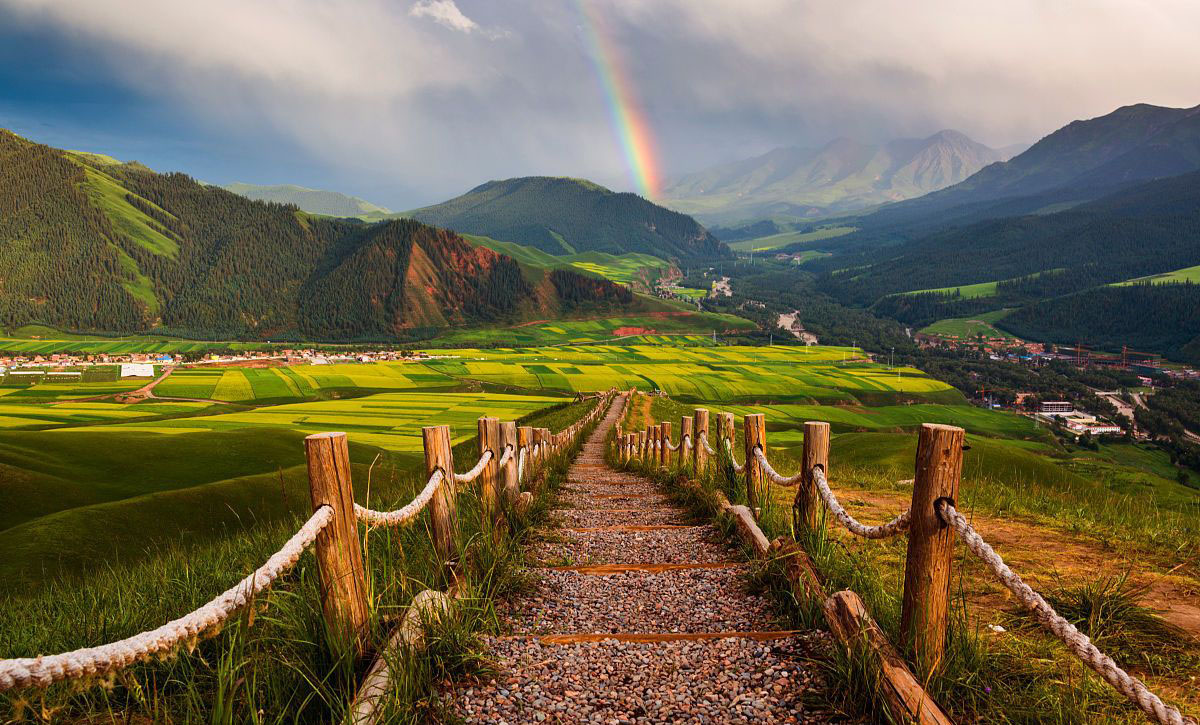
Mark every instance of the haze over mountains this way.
pixel 313 201
pixel 844 175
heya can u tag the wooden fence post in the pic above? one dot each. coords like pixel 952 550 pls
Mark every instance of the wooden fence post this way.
pixel 930 546
pixel 525 440
pixel 489 440
pixel 725 431
pixel 656 453
pixel 807 507
pixel 642 439
pixel 627 453
pixel 686 431
pixel 666 438
pixel 339 554
pixel 509 482
pixel 754 430
pixel 443 517
pixel 700 416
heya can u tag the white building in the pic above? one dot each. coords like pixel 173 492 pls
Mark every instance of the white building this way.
pixel 137 370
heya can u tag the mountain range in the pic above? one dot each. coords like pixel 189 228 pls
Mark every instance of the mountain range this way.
pixel 843 175
pixel 313 201
pixel 563 216
pixel 88 243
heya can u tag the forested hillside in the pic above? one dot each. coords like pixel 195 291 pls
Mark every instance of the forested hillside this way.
pixel 567 216
pixel 90 244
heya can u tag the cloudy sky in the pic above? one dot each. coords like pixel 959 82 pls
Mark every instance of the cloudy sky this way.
pixel 407 102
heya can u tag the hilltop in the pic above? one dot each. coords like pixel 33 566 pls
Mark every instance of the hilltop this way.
pixel 564 216
pixel 844 175
pixel 91 244
pixel 313 201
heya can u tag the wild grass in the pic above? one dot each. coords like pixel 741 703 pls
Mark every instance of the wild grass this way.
pixel 274 662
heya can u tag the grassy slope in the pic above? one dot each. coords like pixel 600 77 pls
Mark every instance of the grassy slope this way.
pixel 970 327
pixel 783 239
pixel 1187 274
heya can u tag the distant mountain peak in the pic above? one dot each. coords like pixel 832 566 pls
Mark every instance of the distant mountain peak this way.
pixel 843 175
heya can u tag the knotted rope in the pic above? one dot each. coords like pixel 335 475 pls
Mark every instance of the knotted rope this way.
pixel 729 449
pixel 704 442
pixel 673 447
pixel 1078 642
pixel 472 474
pixel 891 528
pixel 402 516
pixel 506 456
pixel 108 658
pixel 772 473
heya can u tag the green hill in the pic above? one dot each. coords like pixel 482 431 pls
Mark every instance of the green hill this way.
pixel 93 245
pixel 313 201
pixel 563 216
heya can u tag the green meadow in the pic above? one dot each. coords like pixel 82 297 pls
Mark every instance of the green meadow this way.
pixel 970 327
pixel 784 239
pixel 1178 276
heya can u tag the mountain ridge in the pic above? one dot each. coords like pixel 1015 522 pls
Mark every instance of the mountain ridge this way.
pixel 313 201
pixel 562 215
pixel 843 175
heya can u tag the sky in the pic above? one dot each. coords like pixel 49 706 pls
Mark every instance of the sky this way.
pixel 410 102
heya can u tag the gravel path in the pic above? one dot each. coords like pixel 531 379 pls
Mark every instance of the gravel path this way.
pixel 546 674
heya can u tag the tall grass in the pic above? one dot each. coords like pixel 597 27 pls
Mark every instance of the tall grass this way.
pixel 273 663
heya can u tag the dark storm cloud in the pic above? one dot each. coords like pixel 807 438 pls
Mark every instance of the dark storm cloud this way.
pixel 418 100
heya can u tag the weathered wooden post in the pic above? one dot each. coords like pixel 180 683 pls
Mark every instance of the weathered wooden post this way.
pixel 754 431
pixel 656 445
pixel 509 483
pixel 930 546
pixel 443 513
pixel 666 439
pixel 700 415
pixel 489 440
pixel 643 438
pixel 628 453
pixel 339 554
pixel 687 438
pixel 725 431
pixel 807 507
pixel 525 440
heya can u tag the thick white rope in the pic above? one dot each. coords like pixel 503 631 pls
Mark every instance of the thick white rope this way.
pixel 473 474
pixel 521 464
pixel 1078 642
pixel 506 456
pixel 402 516
pixel 737 468
pixel 772 473
pixel 108 658
pixel 673 447
pixel 704 442
pixel 891 528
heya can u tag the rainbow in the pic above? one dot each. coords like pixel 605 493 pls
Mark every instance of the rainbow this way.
pixel 633 131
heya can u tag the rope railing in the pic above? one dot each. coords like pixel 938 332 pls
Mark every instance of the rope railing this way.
pixel 929 560
pixel 402 516
pixel 96 662
pixel 473 474
pixel 329 475
pixel 672 448
pixel 883 531
pixel 1077 642
pixel 738 468
pixel 772 474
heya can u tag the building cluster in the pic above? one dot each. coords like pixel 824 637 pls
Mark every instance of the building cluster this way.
pixel 1063 412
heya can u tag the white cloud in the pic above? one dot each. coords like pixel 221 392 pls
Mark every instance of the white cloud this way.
pixel 444 12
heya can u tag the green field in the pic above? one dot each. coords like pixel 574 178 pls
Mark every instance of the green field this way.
pixel 297 382
pixel 568 332
pixel 1187 274
pixel 784 239
pixel 967 291
pixel 965 328
pixel 620 268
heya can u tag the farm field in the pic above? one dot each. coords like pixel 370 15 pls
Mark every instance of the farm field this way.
pixel 83 494
pixel 297 382
pixel 684 321
pixel 784 239
pixel 810 374
pixel 970 327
